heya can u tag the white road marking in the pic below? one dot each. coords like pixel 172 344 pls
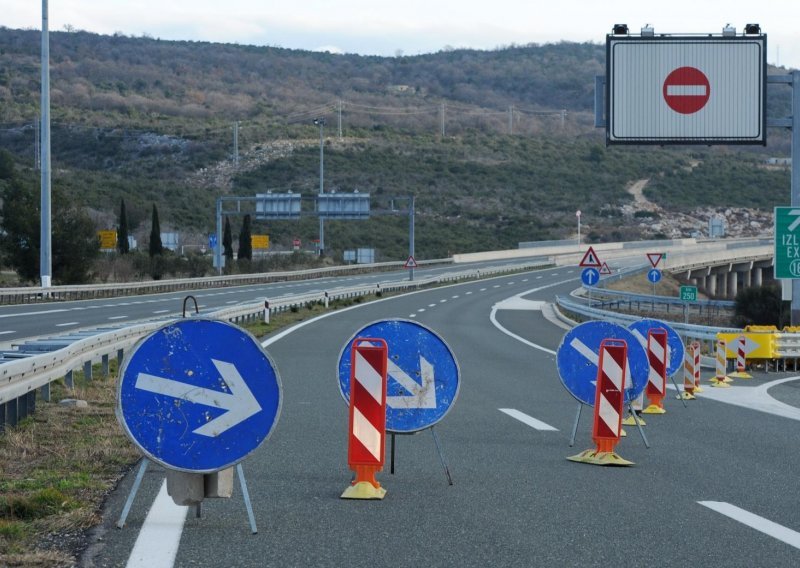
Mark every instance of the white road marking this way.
pixel 468 294
pixel 442 301
pixel 117 317
pixel 538 278
pixel 66 324
pixel 232 302
pixel 158 540
pixel 482 290
pixel 421 310
pixel 43 312
pixel 496 286
pixel 160 311
pixel 412 315
pixel 454 297
pixel 431 305
pixel 769 528
pixel 6 332
pixel 529 420
pixel 755 398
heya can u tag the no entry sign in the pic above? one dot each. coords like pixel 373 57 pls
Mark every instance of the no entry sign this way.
pixel 686 90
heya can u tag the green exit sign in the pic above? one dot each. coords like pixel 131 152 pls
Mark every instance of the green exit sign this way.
pixel 689 293
pixel 787 242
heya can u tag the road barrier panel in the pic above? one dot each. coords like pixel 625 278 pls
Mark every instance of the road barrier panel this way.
pixel 608 406
pixel 721 378
pixel 741 359
pixel 689 374
pixel 657 379
pixel 696 348
pixel 366 448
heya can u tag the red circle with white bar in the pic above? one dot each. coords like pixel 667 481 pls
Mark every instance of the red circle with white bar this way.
pixel 686 90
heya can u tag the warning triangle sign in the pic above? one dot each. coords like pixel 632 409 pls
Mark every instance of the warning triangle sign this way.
pixel 654 258
pixel 590 259
pixel 410 263
pixel 605 270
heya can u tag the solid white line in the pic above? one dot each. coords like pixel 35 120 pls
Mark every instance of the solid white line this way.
pixel 66 324
pixel 790 537
pixel 160 535
pixel 529 420
pixel 42 312
pixel 6 332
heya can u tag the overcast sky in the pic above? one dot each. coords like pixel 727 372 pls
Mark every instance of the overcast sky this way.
pixel 410 27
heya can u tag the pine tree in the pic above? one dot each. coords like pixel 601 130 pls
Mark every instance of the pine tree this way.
pixel 245 242
pixel 227 242
pixel 122 231
pixel 156 247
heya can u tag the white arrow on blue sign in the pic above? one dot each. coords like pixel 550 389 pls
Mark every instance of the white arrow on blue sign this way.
pixel 590 276
pixel 675 348
pixel 654 275
pixel 198 395
pixel 577 359
pixel 423 374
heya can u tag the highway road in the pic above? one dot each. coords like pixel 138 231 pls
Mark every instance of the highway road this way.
pixel 715 470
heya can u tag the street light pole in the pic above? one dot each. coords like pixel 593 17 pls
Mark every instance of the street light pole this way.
pixel 321 123
pixel 45 254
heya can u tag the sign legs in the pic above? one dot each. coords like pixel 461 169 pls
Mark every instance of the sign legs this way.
pixel 439 451
pixel 134 489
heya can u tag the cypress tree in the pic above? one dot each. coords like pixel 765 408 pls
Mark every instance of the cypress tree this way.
pixel 245 242
pixel 122 230
pixel 227 241
pixel 156 247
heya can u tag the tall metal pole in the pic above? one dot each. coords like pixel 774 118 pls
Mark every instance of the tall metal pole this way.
pixel 411 235
pixel 45 255
pixel 321 123
pixel 236 143
pixel 218 249
pixel 795 179
pixel 340 119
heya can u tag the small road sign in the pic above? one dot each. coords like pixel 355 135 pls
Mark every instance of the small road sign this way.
pixel 590 259
pixel 198 395
pixel 654 258
pixel 590 276
pixel 605 270
pixel 212 241
pixel 424 377
pixel 686 90
pixel 410 263
pixel 578 356
pixel 108 239
pixel 787 242
pixel 675 348
pixel 688 293
pixel 296 243
pixel 654 275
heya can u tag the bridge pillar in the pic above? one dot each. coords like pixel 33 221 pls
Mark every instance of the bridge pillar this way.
pixel 747 278
pixel 711 285
pixel 757 277
pixel 733 284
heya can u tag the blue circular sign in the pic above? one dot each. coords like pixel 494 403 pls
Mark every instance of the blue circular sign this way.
pixel 590 276
pixel 675 348
pixel 423 375
pixel 578 355
pixel 654 275
pixel 198 395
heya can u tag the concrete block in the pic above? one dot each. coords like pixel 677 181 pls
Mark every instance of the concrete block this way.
pixel 219 484
pixel 185 488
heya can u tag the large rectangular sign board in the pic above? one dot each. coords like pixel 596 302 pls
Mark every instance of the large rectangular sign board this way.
pixel 686 89
pixel 787 242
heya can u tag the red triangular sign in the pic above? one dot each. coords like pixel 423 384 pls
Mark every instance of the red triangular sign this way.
pixel 590 259
pixel 410 263
pixel 654 258
pixel 605 270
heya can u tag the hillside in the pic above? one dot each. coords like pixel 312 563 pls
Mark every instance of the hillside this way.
pixel 151 121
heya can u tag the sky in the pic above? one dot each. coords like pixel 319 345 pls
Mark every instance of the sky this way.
pixel 409 27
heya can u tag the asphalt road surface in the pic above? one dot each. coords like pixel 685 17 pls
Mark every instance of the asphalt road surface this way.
pixel 718 487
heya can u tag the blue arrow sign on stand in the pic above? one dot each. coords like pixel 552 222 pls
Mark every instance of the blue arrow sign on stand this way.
pixel 654 275
pixel 198 395
pixel 423 379
pixel 675 348
pixel 577 358
pixel 212 241
pixel 590 276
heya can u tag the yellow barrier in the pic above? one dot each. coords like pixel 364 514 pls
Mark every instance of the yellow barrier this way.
pixel 758 345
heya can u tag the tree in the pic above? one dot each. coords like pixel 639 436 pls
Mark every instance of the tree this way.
pixel 761 305
pixel 245 242
pixel 122 231
pixel 227 242
pixel 156 248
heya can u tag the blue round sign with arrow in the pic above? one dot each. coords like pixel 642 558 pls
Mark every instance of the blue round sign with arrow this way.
pixel 590 276
pixel 675 348
pixel 579 353
pixel 423 374
pixel 654 275
pixel 198 395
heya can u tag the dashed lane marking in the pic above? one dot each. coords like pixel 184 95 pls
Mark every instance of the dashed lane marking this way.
pixel 790 537
pixel 66 324
pixel 529 420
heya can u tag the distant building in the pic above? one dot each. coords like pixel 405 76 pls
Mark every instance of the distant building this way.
pixel 716 227
pixel 779 161
pixel 170 241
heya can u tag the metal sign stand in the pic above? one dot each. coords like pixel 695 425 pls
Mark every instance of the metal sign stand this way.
pixel 198 509
pixel 138 482
pixel 438 451
pixel 635 419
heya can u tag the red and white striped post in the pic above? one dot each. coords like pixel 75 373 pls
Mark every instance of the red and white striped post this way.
pixel 608 405
pixel 688 374
pixel 696 349
pixel 741 360
pixel 721 378
pixel 366 447
pixel 657 378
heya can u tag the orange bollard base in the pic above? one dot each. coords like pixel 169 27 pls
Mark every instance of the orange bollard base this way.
pixel 365 486
pixel 603 455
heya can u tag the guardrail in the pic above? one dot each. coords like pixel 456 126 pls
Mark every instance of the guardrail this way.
pixel 713 306
pixel 20 378
pixel 32 294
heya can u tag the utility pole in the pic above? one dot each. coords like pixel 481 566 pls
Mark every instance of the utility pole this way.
pixel 442 120
pixel 511 119
pixel 340 119
pixel 321 123
pixel 37 148
pixel 236 143
pixel 45 254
